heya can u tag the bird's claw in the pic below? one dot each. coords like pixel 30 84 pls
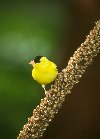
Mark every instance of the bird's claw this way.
pixel 43 86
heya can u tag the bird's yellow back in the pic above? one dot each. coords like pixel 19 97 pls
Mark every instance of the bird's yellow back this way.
pixel 44 72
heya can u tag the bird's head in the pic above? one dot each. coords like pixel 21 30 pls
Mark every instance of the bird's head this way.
pixel 35 60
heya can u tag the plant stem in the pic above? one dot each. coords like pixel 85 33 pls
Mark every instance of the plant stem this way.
pixel 49 106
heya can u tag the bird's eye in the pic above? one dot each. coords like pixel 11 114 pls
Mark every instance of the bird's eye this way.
pixel 37 59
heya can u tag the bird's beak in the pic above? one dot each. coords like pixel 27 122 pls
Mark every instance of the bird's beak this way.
pixel 31 62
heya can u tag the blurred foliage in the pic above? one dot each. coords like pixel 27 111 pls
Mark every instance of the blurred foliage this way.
pixel 26 30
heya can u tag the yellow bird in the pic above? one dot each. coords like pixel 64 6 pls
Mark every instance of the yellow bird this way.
pixel 44 71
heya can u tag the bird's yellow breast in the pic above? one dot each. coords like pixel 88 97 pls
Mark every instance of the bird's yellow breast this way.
pixel 44 72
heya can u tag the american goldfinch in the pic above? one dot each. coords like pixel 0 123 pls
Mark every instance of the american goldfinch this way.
pixel 44 71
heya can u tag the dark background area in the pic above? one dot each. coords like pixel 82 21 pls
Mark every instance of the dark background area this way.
pixel 54 29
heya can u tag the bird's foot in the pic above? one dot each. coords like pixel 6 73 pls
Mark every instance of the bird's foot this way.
pixel 43 86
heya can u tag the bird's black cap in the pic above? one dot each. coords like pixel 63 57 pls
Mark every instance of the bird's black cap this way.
pixel 37 59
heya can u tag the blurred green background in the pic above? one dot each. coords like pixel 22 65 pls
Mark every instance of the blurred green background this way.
pixel 54 29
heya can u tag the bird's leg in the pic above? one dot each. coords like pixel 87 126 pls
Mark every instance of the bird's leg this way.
pixel 44 88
